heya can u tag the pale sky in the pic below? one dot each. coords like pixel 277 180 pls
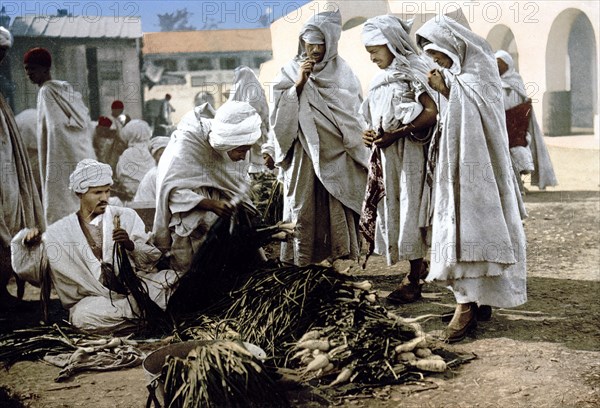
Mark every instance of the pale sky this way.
pixel 220 14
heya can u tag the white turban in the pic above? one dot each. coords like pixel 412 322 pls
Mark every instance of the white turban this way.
pixel 6 38
pixel 235 124
pixel 313 36
pixel 371 35
pixel 157 143
pixel 90 173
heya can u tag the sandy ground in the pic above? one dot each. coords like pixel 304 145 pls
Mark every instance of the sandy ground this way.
pixel 545 353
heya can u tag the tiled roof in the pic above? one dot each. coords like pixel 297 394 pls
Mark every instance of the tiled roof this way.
pixel 207 41
pixel 77 27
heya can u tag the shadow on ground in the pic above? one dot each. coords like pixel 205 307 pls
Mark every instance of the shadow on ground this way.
pixel 560 196
pixel 27 314
pixel 557 310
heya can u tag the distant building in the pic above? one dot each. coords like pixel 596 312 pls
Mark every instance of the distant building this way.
pixel 99 56
pixel 201 63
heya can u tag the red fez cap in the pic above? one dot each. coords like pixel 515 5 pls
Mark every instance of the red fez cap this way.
pixel 104 121
pixel 38 56
pixel 117 105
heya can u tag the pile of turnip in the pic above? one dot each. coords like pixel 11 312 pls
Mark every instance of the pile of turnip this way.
pixel 359 341
pixel 330 327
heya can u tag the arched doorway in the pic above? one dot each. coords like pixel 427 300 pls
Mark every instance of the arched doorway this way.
pixel 502 38
pixel 571 76
pixel 353 22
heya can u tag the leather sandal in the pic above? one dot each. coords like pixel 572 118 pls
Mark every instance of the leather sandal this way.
pixel 453 335
pixel 408 292
pixel 484 314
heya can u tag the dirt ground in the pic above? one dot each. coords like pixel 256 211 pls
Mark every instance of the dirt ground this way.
pixel 545 353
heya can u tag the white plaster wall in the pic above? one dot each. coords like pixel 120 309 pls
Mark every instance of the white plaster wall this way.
pixel 530 21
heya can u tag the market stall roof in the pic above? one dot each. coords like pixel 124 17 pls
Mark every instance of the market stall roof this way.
pixel 77 27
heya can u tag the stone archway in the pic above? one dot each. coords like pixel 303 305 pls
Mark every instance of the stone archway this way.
pixel 502 38
pixel 571 75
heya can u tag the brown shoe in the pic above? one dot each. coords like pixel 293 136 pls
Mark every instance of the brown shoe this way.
pixel 484 313
pixel 407 292
pixel 461 324
pixel 424 270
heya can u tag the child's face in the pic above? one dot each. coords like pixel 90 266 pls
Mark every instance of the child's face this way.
pixel 380 55
pixel 502 66
pixel 440 58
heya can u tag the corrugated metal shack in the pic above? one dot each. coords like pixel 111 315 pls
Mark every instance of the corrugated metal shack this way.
pixel 99 55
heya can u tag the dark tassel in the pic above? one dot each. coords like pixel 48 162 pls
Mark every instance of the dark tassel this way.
pixel 45 288
pixel 151 315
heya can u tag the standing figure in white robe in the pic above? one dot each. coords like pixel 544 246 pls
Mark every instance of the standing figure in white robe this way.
pixel 318 146
pixel 399 100
pixel 79 252
pixel 534 158
pixel 20 204
pixel 247 88
pixel 478 242
pixel 201 174
pixel 64 134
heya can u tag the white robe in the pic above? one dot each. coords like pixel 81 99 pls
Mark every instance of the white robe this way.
pixel 394 100
pixel 478 241
pixel 146 191
pixel 189 171
pixel 20 204
pixel 133 165
pixel 539 165
pixel 318 147
pixel 76 271
pixel 520 155
pixel 64 139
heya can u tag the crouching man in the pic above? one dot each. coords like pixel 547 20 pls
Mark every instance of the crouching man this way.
pixel 78 249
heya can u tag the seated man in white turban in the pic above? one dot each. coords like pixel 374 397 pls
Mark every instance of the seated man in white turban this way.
pixel 146 191
pixel 202 175
pixel 78 250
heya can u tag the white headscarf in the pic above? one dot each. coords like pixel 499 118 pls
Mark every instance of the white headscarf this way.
pixel 157 143
pixel 395 33
pixel 6 38
pixel 313 36
pixel 90 173
pixel 326 25
pixel 456 67
pixel 511 78
pixel 235 124
pixel 371 36
pixel 136 131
